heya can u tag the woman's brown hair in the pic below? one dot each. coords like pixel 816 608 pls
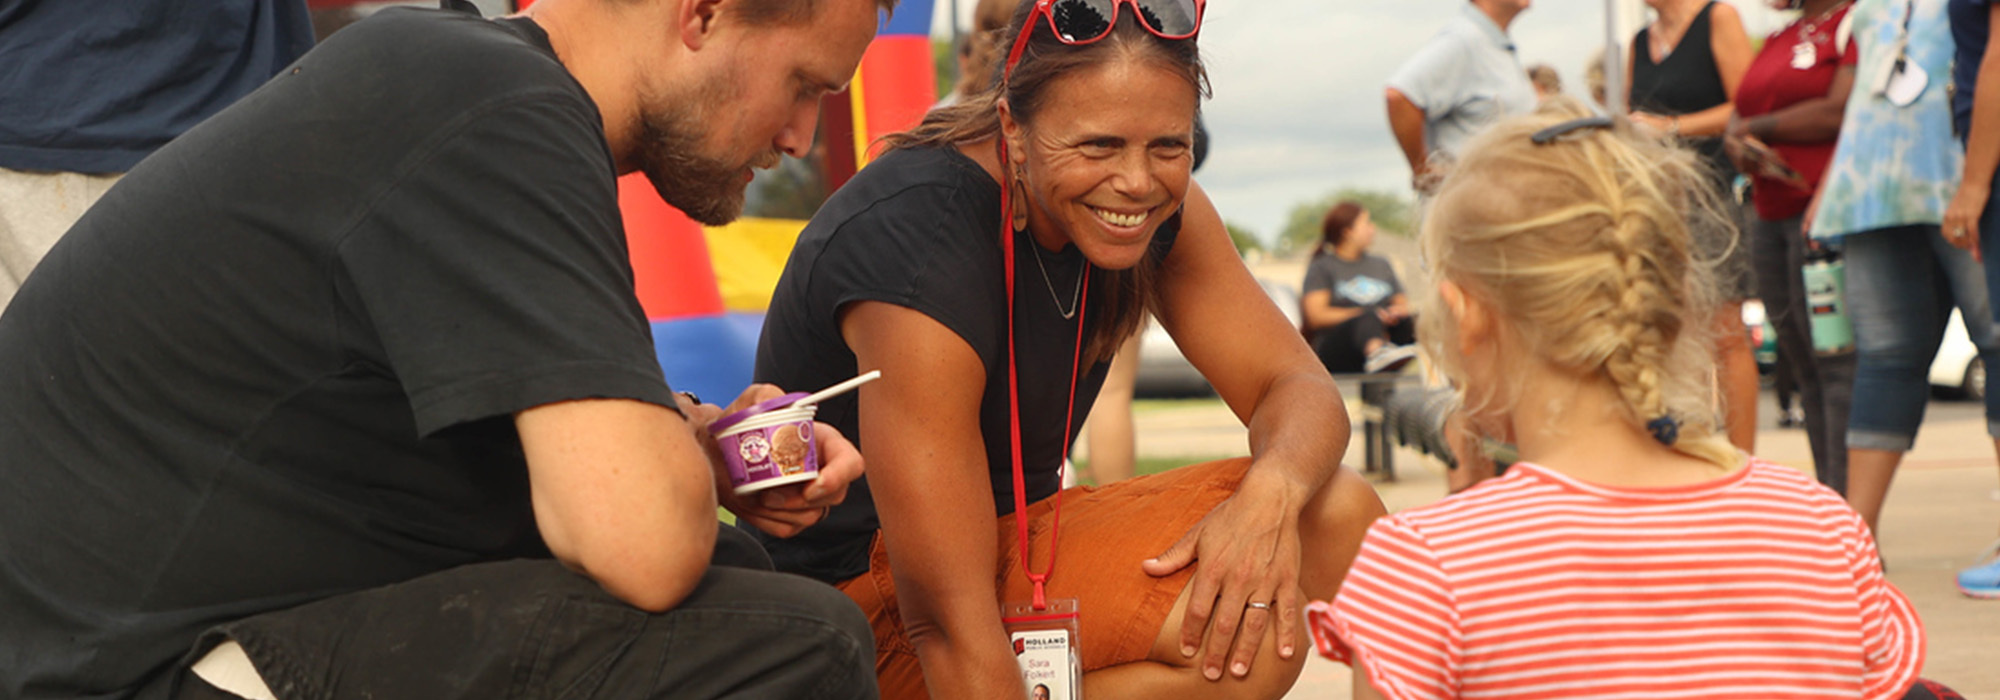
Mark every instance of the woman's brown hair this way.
pixel 1333 229
pixel 1126 294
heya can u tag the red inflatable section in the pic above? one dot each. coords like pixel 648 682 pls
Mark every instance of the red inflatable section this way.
pixel 897 78
pixel 670 263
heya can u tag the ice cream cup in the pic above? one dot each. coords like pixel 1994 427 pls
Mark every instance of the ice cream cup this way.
pixel 766 448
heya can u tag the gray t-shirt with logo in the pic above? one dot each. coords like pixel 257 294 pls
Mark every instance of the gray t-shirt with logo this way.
pixel 1368 282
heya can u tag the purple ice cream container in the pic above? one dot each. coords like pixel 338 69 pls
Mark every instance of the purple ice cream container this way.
pixel 770 444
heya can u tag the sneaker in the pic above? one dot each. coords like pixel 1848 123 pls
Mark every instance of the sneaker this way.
pixel 1792 418
pixel 1982 581
pixel 1389 358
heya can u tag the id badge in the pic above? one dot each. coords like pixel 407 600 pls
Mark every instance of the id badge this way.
pixel 1046 647
pixel 1906 82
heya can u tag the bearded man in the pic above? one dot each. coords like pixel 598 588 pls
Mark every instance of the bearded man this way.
pixel 347 393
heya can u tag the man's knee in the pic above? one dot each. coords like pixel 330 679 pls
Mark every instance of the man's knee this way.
pixel 827 603
pixel 815 640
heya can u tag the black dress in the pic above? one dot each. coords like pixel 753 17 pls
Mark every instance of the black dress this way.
pixel 1688 81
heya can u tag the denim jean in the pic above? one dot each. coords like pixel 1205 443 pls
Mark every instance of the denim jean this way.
pixel 1902 283
pixel 1989 250
pixel 1825 382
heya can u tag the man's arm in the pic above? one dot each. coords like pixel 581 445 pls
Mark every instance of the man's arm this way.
pixel 623 493
pixel 1406 120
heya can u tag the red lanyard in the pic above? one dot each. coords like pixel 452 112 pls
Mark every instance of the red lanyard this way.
pixel 1014 399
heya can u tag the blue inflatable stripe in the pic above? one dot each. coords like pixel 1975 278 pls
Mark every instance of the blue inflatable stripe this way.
pixel 912 18
pixel 712 356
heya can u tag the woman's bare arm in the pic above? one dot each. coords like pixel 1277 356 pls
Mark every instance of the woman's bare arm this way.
pixel 1249 546
pixel 928 475
pixel 1321 314
pixel 1730 44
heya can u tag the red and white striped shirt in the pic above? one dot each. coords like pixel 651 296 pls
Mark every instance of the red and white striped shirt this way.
pixel 1761 584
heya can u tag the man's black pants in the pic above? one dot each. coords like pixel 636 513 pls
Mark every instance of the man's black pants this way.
pixel 533 629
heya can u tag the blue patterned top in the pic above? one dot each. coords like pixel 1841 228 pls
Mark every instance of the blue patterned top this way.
pixel 1893 166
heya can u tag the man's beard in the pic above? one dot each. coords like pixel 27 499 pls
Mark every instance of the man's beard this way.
pixel 706 189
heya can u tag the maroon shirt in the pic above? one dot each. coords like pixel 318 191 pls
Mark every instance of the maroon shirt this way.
pixel 1773 83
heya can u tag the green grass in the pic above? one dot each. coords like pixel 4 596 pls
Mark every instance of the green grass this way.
pixel 1151 405
pixel 1154 465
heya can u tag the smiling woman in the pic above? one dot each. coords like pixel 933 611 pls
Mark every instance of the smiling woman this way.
pixel 990 264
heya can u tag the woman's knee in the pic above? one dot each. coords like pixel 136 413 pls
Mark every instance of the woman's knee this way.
pixel 1345 505
pixel 1339 517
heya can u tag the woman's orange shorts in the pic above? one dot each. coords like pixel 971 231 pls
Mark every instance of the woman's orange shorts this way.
pixel 1106 533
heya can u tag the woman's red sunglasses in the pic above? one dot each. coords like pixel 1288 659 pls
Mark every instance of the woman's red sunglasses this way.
pixel 1078 22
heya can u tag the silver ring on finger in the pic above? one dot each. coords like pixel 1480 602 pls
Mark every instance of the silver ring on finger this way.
pixel 1257 605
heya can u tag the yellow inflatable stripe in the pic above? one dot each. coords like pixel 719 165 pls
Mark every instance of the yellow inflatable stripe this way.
pixel 749 255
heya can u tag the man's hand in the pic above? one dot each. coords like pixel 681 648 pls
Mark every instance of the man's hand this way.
pixel 1425 181
pixel 787 510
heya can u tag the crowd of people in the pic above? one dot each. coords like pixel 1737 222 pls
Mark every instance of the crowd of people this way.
pixel 1847 135
pixel 343 388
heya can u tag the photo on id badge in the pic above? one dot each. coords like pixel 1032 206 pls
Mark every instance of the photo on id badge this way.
pixel 1046 647
pixel 1046 669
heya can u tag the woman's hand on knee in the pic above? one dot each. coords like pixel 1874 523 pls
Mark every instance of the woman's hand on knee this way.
pixel 1248 581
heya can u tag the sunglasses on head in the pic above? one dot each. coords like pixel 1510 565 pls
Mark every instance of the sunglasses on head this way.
pixel 1077 22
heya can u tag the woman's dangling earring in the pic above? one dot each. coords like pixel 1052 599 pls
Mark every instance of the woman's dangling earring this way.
pixel 1020 201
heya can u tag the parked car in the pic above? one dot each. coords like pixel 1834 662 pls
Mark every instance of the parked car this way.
pixel 1956 371
pixel 1763 338
pixel 1165 372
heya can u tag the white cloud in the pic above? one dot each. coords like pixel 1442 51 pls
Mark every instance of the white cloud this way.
pixel 1298 108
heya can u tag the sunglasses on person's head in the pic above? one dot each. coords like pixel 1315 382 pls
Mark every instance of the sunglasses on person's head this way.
pixel 1078 22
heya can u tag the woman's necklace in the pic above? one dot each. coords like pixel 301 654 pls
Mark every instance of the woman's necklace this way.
pixel 1053 297
pixel 1665 35
pixel 1809 29
pixel 1805 54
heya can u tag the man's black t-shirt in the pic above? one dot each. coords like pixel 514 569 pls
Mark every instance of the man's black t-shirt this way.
pixel 920 228
pixel 278 362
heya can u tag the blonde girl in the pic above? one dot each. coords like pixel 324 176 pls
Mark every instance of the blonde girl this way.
pixel 1632 550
